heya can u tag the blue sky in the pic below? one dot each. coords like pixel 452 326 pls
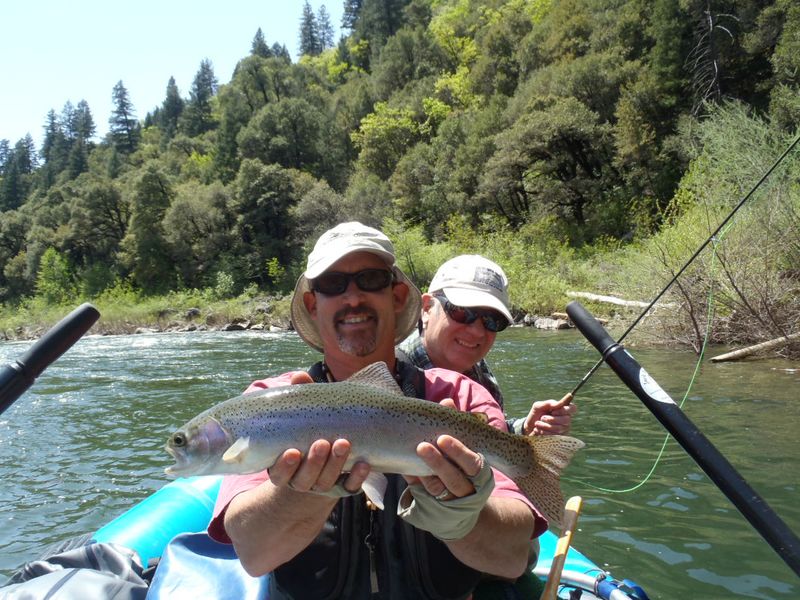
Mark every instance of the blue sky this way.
pixel 54 51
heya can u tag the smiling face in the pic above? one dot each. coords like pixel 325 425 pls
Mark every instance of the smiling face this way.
pixel 357 328
pixel 452 345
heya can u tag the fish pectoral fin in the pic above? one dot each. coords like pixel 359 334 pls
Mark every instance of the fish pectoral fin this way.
pixel 374 487
pixel 237 452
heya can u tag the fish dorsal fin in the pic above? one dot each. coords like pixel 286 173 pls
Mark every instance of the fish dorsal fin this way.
pixel 377 375
pixel 237 452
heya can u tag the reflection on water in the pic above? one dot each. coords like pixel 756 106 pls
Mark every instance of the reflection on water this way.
pixel 86 442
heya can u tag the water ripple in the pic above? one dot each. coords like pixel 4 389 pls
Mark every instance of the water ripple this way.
pixel 86 443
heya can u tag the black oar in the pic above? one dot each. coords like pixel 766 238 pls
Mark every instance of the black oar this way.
pixel 19 375
pixel 754 508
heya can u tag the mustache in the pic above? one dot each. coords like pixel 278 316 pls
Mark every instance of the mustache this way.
pixel 358 311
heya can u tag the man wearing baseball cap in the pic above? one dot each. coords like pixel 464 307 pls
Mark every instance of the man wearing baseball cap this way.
pixel 467 304
pixel 307 523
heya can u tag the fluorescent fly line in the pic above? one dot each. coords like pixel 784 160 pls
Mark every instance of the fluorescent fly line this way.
pixel 715 239
pixel 706 336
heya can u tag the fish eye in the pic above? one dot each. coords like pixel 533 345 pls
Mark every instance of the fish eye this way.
pixel 179 439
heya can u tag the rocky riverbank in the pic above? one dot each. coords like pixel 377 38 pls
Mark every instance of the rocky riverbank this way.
pixel 264 316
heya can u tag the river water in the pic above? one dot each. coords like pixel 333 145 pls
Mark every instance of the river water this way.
pixel 86 442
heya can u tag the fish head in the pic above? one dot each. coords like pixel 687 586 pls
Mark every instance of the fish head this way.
pixel 197 448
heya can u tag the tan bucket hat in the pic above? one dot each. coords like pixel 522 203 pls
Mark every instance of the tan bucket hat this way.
pixel 334 244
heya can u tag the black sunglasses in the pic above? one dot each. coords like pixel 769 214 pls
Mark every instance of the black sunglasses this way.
pixel 492 321
pixel 333 283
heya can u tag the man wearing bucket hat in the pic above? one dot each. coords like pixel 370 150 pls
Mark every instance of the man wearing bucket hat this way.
pixel 305 521
pixel 467 304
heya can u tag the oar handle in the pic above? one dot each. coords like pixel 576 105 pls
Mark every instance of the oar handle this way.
pixel 571 513
pixel 752 506
pixel 19 375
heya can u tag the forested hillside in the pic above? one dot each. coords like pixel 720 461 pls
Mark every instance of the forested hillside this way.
pixel 572 140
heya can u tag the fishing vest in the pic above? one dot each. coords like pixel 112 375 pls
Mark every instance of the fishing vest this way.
pixel 373 554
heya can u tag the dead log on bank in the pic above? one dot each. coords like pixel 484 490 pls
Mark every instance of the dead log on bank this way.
pixel 744 352
pixel 613 300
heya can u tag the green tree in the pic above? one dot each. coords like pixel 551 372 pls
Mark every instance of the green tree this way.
pixel 280 51
pixel 83 122
pixel 5 151
pixel 123 126
pixel 352 8
pixel 497 67
pixel 383 138
pixel 171 110
pixel 145 250
pixel 378 20
pixel 16 174
pixel 310 40
pixel 99 217
pixel 14 226
pixel 319 209
pixel 78 160
pixel 779 25
pixel 259 46
pixel 408 56
pixel 197 226
pixel 367 199
pixel 55 282
pixel 286 132
pixel 555 158
pixel 325 28
pixel 198 117
pixel 263 196
pixel 55 149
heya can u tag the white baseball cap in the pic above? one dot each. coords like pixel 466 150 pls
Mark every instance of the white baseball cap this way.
pixel 334 244
pixel 471 280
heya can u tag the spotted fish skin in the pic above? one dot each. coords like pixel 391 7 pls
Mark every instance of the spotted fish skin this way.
pixel 248 433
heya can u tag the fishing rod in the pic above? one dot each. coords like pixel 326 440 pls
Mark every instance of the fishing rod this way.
pixel 19 375
pixel 569 396
pixel 752 506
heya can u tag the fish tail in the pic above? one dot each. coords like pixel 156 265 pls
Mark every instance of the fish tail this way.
pixel 541 485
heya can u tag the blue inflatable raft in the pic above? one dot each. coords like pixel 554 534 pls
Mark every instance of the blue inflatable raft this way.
pixel 185 506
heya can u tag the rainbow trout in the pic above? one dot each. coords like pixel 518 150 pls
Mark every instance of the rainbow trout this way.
pixel 248 433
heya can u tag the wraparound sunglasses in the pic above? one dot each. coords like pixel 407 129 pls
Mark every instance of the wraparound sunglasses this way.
pixel 492 321
pixel 333 283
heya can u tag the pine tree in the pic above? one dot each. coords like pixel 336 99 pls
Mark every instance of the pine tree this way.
pixel 171 110
pixel 54 144
pixel 259 46
pixel 15 184
pixel 83 122
pixel 25 153
pixel 280 51
pixel 352 8
pixel 68 122
pixel 325 28
pixel 78 161
pixel 197 118
pixel 379 19
pixel 123 126
pixel 309 32
pixel 5 152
